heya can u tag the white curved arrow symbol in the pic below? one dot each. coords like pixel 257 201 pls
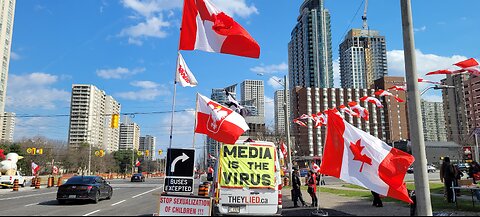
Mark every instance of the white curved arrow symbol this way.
pixel 184 157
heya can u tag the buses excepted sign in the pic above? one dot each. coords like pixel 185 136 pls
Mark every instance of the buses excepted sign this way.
pixel 250 166
pixel 184 206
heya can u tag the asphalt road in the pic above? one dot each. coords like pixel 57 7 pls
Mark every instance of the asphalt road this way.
pixel 129 199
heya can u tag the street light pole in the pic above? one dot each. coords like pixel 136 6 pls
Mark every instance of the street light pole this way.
pixel 89 157
pixel 424 204
pixel 287 127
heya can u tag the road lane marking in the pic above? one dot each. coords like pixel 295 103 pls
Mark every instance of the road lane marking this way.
pixel 146 192
pixel 32 204
pixel 92 213
pixel 118 203
pixel 33 195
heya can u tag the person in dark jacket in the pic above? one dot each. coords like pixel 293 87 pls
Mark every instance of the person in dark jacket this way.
pixel 448 176
pixel 377 201
pixel 296 192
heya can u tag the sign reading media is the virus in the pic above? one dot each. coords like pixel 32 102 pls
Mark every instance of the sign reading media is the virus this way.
pixel 250 166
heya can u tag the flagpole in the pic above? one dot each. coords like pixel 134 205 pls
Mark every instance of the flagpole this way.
pixel 173 103
pixel 195 121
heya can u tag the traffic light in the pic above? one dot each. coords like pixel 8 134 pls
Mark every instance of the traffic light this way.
pixel 115 120
pixel 147 152
pixel 160 152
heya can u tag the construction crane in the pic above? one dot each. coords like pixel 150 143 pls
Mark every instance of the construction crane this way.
pixel 364 17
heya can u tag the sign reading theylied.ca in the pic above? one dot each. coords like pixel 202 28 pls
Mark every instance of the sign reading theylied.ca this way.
pixel 184 206
pixel 250 166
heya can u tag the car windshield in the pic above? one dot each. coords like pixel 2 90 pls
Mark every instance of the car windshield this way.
pixel 138 174
pixel 81 180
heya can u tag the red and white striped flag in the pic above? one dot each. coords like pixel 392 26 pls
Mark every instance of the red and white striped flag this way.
pixel 399 88
pixel 421 80
pixel 372 100
pixel 218 122
pixel 206 28
pixel 357 157
pixel 299 122
pixel 283 148
pixel 184 76
pixel 386 93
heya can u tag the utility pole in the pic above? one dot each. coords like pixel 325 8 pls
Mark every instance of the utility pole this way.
pixel 287 127
pixel 424 204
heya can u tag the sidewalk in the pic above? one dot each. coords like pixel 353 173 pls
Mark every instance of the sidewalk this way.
pixel 347 206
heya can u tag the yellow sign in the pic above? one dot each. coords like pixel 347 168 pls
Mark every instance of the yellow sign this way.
pixel 147 152
pixel 29 150
pixel 40 151
pixel 160 152
pixel 102 153
pixel 139 153
pixel 97 153
pixel 250 166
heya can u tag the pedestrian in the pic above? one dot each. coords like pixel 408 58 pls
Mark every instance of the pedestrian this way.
pixel 312 188
pixel 296 191
pixel 447 176
pixel 474 172
pixel 458 177
pixel 377 201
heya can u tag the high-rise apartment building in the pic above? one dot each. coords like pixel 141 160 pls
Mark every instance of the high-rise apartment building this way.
pixel 253 96
pixel 7 15
pixel 90 116
pixel 8 127
pixel 310 48
pixel 148 143
pixel 462 113
pixel 129 136
pixel 279 101
pixel 363 58
pixel 433 121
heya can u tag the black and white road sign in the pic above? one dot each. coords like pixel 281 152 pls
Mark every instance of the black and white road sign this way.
pixel 179 185
pixel 180 162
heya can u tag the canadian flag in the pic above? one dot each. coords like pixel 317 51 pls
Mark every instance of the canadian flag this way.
pixel 359 158
pixel 372 100
pixel 386 93
pixel 218 122
pixel 299 122
pixel 467 63
pixel 421 80
pixel 184 76
pixel 363 112
pixel 446 72
pixel 343 108
pixel 319 119
pixel 304 116
pixel 399 88
pixel 55 170
pixel 315 167
pixel 211 157
pixel 35 168
pixel 206 28
pixel 210 170
pixel 283 148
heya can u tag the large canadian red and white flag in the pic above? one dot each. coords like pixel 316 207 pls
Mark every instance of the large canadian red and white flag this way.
pixel 218 122
pixel 184 76
pixel 359 158
pixel 206 28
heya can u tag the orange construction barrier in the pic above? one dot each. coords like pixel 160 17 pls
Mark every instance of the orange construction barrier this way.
pixel 37 183
pixel 60 180
pixel 201 190
pixel 34 181
pixel 50 182
pixel 15 185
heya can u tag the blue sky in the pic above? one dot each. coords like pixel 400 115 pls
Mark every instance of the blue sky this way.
pixel 128 49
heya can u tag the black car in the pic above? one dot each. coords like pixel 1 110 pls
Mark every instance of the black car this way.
pixel 138 178
pixel 92 188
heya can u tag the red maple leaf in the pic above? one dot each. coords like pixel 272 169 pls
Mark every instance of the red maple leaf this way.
pixel 358 156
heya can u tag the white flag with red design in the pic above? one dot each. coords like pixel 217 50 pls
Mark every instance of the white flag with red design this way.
pixel 211 157
pixel 315 167
pixel 184 76
pixel 421 80
pixel 206 28
pixel 137 163
pixel 283 148
pixel 399 88
pixel 35 168
pixel 218 122
pixel 363 112
pixel 386 93
pixel 372 100
pixel 299 122
pixel 359 158
pixel 343 108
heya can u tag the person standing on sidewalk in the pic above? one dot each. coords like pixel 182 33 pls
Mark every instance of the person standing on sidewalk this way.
pixel 312 188
pixel 296 192
pixel 377 201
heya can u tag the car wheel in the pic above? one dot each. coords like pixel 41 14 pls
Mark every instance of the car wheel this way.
pixel 97 197
pixel 110 195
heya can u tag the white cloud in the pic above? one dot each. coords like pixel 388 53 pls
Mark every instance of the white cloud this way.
pixel 275 82
pixel 153 24
pixel 34 91
pixel 15 56
pixel 149 91
pixel 422 29
pixel 118 73
pixel 282 67
pixel 336 73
